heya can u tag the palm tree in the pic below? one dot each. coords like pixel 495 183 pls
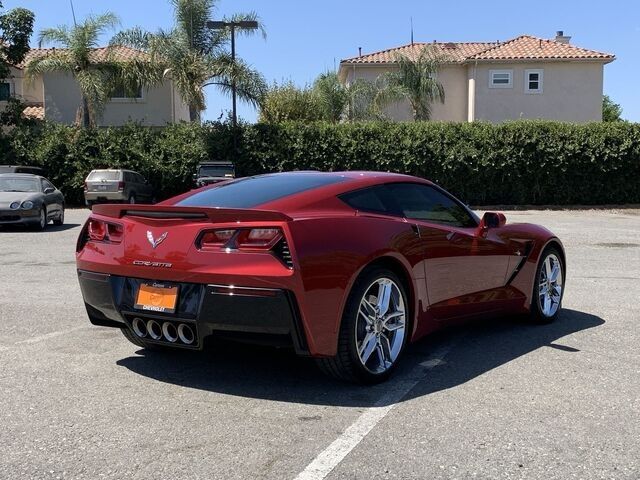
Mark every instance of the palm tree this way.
pixel 96 75
pixel 414 80
pixel 353 102
pixel 194 56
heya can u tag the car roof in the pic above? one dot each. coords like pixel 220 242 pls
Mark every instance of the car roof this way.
pixel 290 191
pixel 20 175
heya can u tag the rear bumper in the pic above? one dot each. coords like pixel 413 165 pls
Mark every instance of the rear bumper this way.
pixel 104 196
pixel 260 315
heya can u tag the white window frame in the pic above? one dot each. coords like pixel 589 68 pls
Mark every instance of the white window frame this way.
pixel 500 72
pixel 540 88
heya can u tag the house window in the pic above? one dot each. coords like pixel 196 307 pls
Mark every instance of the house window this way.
pixel 5 91
pixel 500 78
pixel 120 94
pixel 533 81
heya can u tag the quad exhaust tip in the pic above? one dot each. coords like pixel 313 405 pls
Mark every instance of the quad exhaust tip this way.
pixel 154 329
pixel 167 331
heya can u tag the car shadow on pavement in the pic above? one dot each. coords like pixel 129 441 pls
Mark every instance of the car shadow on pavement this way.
pixel 271 374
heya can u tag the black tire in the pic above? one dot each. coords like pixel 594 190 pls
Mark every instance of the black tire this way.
pixel 346 365
pixel 60 219
pixel 537 314
pixel 133 338
pixel 39 226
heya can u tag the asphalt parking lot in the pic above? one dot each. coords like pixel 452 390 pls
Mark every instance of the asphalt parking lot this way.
pixel 498 399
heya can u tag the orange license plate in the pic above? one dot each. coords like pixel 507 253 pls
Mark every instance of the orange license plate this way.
pixel 157 297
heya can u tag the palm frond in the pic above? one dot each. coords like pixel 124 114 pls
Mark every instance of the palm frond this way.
pixel 134 38
pixel 57 36
pixel 58 61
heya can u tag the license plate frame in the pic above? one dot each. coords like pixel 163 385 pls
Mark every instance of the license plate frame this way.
pixel 157 297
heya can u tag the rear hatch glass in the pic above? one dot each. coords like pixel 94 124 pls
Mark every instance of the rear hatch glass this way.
pixel 102 175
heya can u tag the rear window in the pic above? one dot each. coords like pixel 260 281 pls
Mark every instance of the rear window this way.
pixel 253 191
pixel 99 175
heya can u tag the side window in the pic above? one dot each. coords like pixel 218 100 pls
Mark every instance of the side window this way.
pixel 128 177
pixel 140 178
pixel 423 202
pixel 47 184
pixel 366 200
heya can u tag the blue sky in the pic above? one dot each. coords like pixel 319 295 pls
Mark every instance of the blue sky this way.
pixel 306 38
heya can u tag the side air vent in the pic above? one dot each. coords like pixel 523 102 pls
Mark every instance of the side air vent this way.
pixel 281 250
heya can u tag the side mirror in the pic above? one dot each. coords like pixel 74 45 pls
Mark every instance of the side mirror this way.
pixel 48 190
pixel 492 220
pixel 195 176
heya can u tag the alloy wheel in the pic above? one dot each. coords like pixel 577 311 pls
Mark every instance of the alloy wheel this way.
pixel 550 285
pixel 380 326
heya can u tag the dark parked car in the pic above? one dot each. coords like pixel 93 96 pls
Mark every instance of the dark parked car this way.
pixel 31 200
pixel 117 186
pixel 214 172
pixel 21 169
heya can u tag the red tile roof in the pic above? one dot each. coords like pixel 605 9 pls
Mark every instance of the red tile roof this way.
pixel 526 47
pixel 522 48
pixel 119 53
pixel 34 111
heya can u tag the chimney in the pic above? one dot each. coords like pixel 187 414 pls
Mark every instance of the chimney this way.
pixel 562 38
pixel 359 51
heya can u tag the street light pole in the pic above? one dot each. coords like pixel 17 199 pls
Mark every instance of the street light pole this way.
pixel 244 25
pixel 234 114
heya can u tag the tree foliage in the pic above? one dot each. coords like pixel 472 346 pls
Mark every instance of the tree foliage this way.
pixel 415 80
pixel 96 76
pixel 611 111
pixel 327 99
pixel 195 56
pixel 16 27
pixel 518 163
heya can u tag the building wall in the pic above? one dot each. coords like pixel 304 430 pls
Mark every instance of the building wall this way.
pixel 572 91
pixel 159 105
pixel 453 79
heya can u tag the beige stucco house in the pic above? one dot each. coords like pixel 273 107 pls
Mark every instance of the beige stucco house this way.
pixel 56 96
pixel 526 77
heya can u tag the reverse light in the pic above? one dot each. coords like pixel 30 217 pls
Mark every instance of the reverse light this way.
pixel 120 186
pixel 216 238
pixel 258 237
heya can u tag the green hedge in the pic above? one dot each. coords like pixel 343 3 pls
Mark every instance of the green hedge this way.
pixel 524 162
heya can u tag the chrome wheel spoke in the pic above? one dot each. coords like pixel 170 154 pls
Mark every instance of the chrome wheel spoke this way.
pixel 384 297
pixel 554 273
pixel 367 347
pixel 368 317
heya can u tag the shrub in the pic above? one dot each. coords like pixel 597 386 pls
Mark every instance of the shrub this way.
pixel 523 162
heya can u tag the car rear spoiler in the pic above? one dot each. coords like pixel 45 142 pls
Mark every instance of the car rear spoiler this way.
pixel 192 213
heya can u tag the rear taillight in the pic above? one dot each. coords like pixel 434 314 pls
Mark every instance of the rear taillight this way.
pixel 100 231
pixel 120 186
pixel 262 239
pixel 86 187
pixel 239 239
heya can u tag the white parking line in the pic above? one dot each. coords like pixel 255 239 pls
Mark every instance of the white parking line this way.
pixel 47 336
pixel 397 389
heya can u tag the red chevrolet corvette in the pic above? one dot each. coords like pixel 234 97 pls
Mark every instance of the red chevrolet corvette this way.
pixel 344 267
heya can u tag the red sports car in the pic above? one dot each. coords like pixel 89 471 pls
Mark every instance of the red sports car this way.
pixel 346 267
